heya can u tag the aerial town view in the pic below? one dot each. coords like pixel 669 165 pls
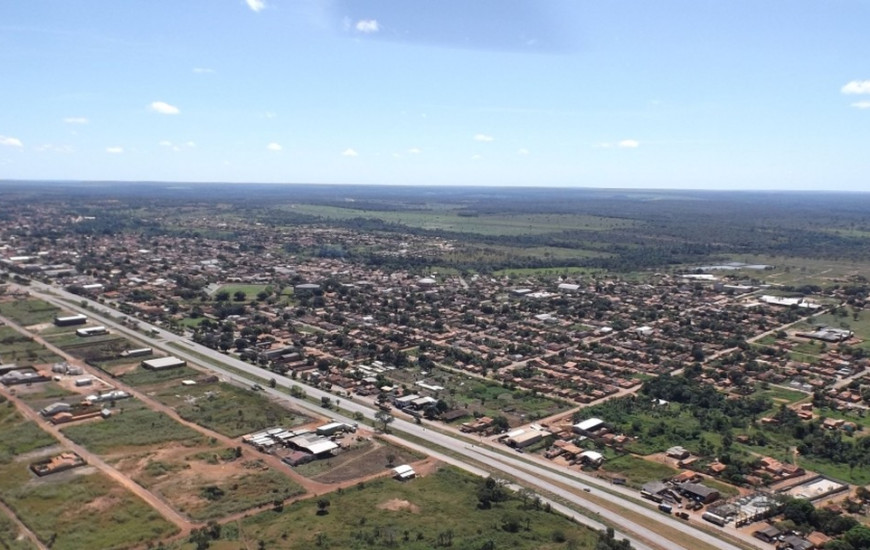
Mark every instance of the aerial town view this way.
pixel 493 275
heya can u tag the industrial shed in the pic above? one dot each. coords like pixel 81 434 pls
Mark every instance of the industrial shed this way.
pixel 163 363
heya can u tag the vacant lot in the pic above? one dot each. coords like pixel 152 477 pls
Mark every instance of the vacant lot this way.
pixel 413 516
pixel 228 409
pixel 28 312
pixel 22 350
pixel 18 435
pixel 81 510
pixel 95 348
pixel 638 471
pixel 138 376
pixel 206 482
pixel 359 459
pixel 131 425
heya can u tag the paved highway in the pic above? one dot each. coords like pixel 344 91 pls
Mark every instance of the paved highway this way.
pixel 532 474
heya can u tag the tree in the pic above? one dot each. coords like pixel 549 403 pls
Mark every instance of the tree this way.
pixel 322 506
pixel 391 459
pixel 858 537
pixel 799 510
pixel 239 296
pixel 222 296
pixel 384 418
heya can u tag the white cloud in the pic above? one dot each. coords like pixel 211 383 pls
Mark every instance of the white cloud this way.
pixel 628 144
pixel 115 150
pixel 523 151
pixel 367 26
pixel 274 146
pixel 10 141
pixel 76 120
pixel 54 148
pixel 349 153
pixel 415 150
pixel 255 5
pixel 203 70
pixel 483 137
pixel 175 147
pixel 476 157
pixel 270 114
pixel 164 108
pixel 857 87
pixel 861 105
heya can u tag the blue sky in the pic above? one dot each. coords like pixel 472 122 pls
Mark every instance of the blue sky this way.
pixel 730 94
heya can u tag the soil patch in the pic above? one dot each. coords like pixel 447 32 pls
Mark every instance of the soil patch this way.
pixel 398 505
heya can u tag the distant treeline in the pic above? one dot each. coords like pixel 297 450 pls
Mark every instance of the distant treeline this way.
pixel 668 227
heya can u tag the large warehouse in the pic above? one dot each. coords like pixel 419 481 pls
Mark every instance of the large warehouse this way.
pixel 163 363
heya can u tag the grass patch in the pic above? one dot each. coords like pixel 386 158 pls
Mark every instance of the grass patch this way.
pixel 80 511
pixel 133 425
pixel 29 312
pixel 144 377
pixel 781 395
pixel 45 390
pixel 11 538
pixel 228 409
pixel 23 350
pixel 19 435
pixel 638 471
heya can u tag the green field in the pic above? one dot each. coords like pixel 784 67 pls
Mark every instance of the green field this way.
pixel 71 512
pixel 249 290
pixel 500 224
pixel 29 312
pixel 228 409
pixel 18 435
pixel 133 425
pixel 781 395
pixel 386 513
pixel 23 350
